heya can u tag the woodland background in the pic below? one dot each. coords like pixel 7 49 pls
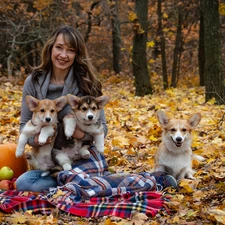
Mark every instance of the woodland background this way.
pixel 134 132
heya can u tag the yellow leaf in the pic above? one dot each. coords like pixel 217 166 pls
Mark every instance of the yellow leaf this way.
pixel 191 213
pixel 138 218
pixel 176 220
pixel 152 138
pixel 120 141
pixel 132 16
pixel 165 16
pixel 187 185
pixel 109 222
pixel 212 101
pixel 18 218
pixel 152 61
pixel 210 160
pixel 151 44
pixel 165 30
pixel 59 193
pixel 222 9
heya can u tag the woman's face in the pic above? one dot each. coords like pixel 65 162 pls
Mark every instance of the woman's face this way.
pixel 62 55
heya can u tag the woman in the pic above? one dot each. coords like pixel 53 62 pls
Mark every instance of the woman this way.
pixel 65 69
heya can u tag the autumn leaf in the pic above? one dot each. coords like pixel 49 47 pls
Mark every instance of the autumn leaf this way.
pixel 218 214
pixel 222 9
pixel 18 218
pixel 132 16
pixel 150 44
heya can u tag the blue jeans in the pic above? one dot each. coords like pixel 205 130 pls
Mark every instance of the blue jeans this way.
pixel 33 181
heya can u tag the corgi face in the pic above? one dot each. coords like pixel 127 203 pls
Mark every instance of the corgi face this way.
pixel 45 111
pixel 178 131
pixel 87 108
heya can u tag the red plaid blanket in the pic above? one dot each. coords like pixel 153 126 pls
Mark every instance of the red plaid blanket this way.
pixel 89 190
pixel 123 205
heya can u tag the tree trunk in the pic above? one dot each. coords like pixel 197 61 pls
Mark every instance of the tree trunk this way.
pixel 214 79
pixel 177 50
pixel 116 41
pixel 162 45
pixel 139 60
pixel 201 48
pixel 89 23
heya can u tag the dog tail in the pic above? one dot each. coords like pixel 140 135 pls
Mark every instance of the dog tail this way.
pixel 198 157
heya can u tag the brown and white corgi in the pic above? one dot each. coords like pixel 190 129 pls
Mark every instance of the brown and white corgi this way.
pixel 85 114
pixel 174 154
pixel 44 121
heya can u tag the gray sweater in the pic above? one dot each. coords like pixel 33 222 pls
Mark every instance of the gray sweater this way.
pixel 43 89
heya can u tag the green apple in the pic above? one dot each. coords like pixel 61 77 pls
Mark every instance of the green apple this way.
pixel 6 173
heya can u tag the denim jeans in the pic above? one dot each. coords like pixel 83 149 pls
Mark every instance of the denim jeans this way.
pixel 33 181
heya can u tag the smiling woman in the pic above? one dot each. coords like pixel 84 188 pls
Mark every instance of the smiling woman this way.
pixel 65 69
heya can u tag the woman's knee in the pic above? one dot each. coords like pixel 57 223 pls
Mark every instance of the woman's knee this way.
pixel 33 181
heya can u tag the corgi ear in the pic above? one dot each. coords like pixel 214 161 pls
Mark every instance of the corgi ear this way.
pixel 102 100
pixel 32 102
pixel 73 100
pixel 60 103
pixel 194 120
pixel 162 118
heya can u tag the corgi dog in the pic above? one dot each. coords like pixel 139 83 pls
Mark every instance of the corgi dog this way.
pixel 174 154
pixel 84 114
pixel 44 121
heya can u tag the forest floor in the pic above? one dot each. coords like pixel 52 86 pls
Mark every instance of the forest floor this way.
pixel 133 137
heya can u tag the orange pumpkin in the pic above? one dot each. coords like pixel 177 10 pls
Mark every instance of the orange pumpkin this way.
pixel 8 158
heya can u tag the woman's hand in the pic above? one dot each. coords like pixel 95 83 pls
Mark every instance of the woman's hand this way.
pixel 49 140
pixel 78 133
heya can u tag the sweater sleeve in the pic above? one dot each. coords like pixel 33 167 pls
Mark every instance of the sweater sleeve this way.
pixel 26 114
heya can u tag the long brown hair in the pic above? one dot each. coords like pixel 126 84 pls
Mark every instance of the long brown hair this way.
pixel 84 72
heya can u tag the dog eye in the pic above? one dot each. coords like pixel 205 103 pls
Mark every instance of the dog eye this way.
pixel 173 129
pixel 52 111
pixel 184 129
pixel 42 110
pixel 94 108
pixel 84 109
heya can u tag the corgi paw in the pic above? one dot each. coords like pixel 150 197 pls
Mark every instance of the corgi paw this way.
pixel 69 125
pixel 190 176
pixel 100 148
pixel 69 133
pixel 19 152
pixel 42 139
pixel 67 166
pixel 85 154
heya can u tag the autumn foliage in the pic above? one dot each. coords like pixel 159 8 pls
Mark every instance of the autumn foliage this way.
pixel 134 134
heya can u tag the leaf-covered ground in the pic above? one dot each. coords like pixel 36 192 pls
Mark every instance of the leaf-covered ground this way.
pixel 133 136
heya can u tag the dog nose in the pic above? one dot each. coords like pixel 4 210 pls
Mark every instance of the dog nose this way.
pixel 90 117
pixel 48 119
pixel 178 139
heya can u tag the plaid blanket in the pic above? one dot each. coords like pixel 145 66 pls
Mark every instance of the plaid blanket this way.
pixel 89 190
